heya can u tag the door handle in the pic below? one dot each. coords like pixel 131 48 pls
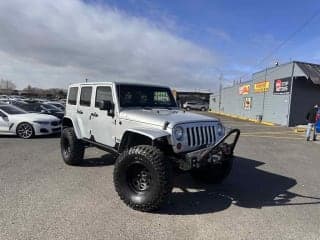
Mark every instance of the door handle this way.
pixel 94 114
pixel 80 111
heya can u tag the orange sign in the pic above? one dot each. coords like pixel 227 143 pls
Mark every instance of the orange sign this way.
pixel 244 89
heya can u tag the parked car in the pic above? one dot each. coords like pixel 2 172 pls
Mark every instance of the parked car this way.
pixel 4 99
pixel 195 106
pixel 15 121
pixel 57 104
pixel 40 108
pixel 143 126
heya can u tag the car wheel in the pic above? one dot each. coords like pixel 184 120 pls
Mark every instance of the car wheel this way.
pixel 188 109
pixel 203 109
pixel 143 178
pixel 72 149
pixel 215 173
pixel 25 130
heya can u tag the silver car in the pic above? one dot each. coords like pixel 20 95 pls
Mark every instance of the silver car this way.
pixel 195 106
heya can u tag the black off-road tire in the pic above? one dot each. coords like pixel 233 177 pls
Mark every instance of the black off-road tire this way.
pixel 215 173
pixel 72 149
pixel 159 176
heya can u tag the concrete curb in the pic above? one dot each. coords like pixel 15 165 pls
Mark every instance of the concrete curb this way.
pixel 300 129
pixel 243 118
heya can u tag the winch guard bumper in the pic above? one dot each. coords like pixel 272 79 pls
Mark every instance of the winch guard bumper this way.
pixel 214 153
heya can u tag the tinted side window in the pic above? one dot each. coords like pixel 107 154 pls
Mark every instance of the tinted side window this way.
pixel 85 96
pixel 73 94
pixel 103 93
pixel 2 114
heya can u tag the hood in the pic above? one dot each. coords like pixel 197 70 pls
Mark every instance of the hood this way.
pixel 160 116
pixel 35 117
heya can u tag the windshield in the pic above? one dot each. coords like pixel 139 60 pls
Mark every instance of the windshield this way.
pixel 12 110
pixel 31 107
pixel 58 105
pixel 50 107
pixel 145 96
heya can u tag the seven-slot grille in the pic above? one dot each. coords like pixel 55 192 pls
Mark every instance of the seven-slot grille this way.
pixel 200 135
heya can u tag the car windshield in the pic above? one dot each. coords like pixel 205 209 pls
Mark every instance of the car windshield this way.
pixel 145 96
pixel 50 107
pixel 12 110
pixel 58 105
pixel 31 107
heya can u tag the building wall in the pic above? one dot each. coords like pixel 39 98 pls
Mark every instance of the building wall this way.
pixel 214 102
pixel 305 94
pixel 271 106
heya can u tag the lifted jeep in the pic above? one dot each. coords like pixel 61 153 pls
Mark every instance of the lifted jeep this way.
pixel 149 134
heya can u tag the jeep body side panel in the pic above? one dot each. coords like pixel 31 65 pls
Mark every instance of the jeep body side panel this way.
pixel 103 127
pixel 71 108
pixel 88 120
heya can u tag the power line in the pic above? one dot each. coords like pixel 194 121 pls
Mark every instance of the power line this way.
pixel 271 53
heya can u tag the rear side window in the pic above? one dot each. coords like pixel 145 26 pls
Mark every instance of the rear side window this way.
pixel 73 94
pixel 85 96
pixel 103 94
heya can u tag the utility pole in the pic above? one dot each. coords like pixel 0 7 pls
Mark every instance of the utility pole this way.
pixel 264 91
pixel 220 90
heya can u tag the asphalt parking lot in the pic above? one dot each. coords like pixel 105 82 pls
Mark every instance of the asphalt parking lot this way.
pixel 273 192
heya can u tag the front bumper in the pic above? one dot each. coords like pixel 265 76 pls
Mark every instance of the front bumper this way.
pixel 46 129
pixel 213 154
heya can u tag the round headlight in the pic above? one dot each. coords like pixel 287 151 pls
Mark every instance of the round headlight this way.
pixel 178 133
pixel 220 129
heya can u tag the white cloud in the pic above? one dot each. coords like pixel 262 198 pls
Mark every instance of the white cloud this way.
pixel 53 43
pixel 219 33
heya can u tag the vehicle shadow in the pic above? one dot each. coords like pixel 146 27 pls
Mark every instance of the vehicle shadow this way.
pixel 104 160
pixel 8 136
pixel 247 186
pixel 55 135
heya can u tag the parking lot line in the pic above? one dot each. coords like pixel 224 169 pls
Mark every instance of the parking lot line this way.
pixel 274 137
pixel 276 133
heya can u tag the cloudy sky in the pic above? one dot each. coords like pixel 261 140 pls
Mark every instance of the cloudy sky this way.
pixel 184 44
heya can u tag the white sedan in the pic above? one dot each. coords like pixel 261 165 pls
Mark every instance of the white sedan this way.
pixel 15 121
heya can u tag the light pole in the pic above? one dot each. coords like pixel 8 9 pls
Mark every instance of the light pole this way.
pixel 220 86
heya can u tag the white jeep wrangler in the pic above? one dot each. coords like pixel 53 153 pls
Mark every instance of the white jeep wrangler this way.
pixel 149 134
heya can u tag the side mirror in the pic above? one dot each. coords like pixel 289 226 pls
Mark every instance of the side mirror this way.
pixel 107 106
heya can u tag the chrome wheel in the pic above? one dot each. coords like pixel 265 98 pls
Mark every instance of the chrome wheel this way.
pixel 25 130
